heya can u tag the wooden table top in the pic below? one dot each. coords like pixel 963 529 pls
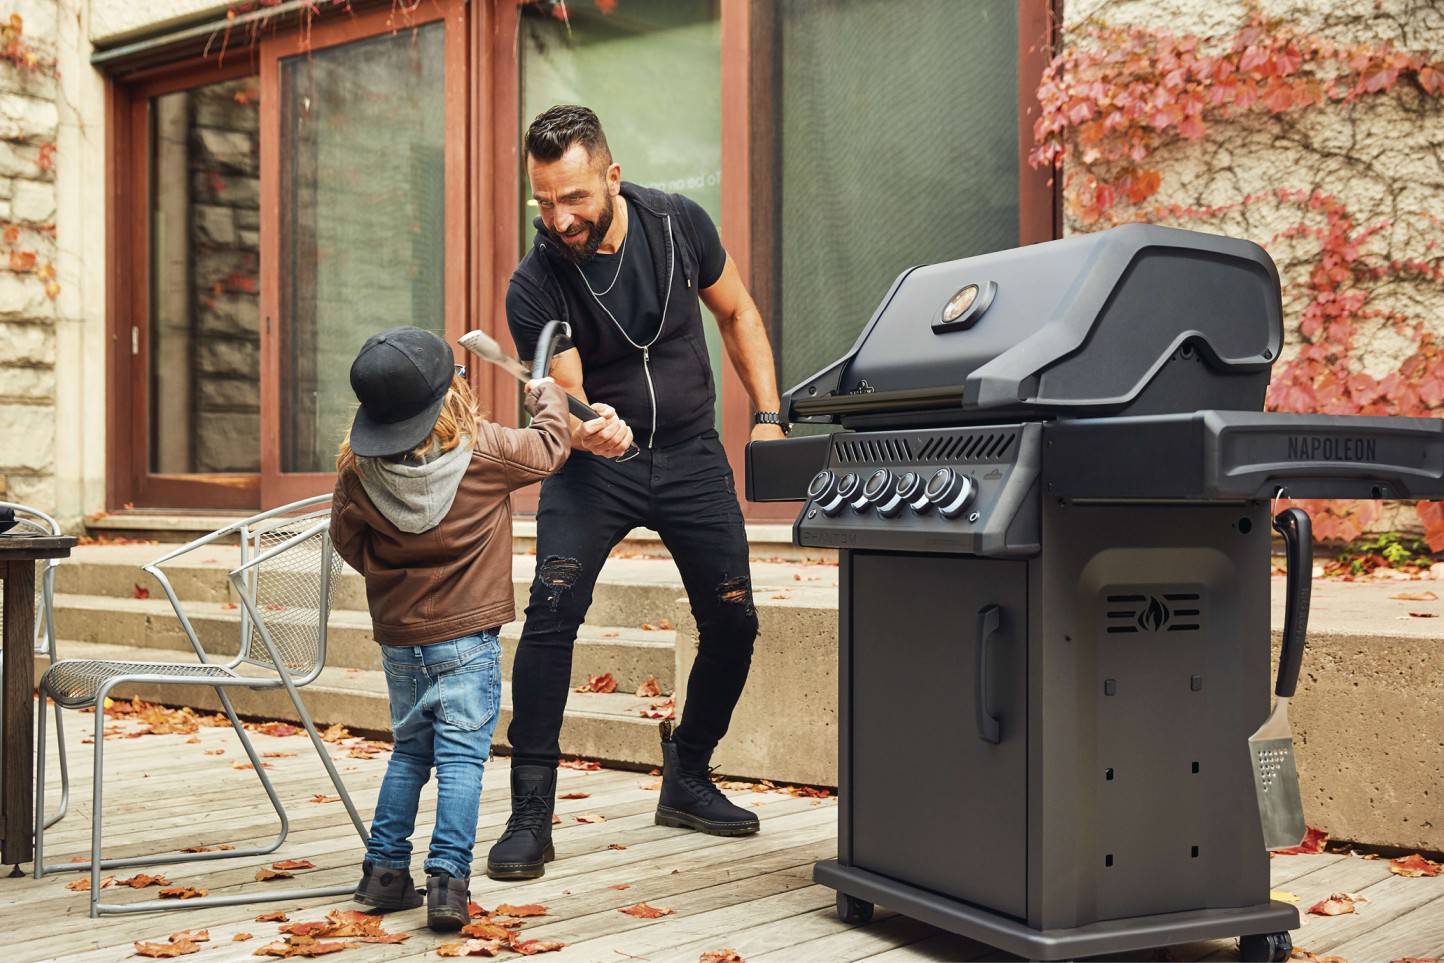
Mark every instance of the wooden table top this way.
pixel 21 547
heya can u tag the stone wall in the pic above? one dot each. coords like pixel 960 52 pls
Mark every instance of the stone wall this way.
pixel 28 252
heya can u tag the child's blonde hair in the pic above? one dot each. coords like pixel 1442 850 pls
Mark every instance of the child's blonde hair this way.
pixel 456 420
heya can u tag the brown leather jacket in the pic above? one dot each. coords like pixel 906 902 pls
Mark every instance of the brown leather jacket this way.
pixel 454 579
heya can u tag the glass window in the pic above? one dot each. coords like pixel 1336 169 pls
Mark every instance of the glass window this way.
pixel 652 71
pixel 204 285
pixel 897 151
pixel 362 220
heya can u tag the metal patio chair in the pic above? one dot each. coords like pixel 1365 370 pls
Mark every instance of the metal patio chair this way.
pixel 32 521
pixel 284 582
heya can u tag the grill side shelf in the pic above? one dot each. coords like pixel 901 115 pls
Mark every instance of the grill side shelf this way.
pixel 1234 455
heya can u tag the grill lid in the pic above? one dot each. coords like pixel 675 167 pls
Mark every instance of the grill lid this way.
pixel 1139 319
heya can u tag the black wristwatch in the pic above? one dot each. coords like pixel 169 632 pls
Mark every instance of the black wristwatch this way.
pixel 772 418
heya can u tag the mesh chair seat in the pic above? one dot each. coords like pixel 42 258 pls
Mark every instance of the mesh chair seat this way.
pixel 75 683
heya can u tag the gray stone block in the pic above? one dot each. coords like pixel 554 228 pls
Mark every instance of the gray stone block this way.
pixel 228 441
pixel 230 356
pixel 234 151
pixel 230 393
pixel 231 315
pixel 213 225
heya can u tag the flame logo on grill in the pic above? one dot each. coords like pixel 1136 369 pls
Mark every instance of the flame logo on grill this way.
pixel 1154 615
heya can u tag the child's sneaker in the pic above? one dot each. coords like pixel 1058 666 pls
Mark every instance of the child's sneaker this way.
pixel 386 889
pixel 447 900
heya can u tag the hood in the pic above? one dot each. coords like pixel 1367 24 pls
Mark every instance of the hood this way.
pixel 415 497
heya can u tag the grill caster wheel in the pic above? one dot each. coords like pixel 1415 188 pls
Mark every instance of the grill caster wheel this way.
pixel 850 909
pixel 1265 947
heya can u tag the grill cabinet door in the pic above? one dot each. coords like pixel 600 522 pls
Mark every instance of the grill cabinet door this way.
pixel 933 805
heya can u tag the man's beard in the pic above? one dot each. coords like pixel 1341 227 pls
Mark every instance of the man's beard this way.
pixel 596 233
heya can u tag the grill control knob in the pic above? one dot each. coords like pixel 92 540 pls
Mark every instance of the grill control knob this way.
pixel 873 490
pixel 908 487
pixel 821 485
pixel 950 492
pixel 845 492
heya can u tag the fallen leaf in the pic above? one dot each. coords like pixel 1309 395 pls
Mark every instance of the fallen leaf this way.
pixel 1415 865
pixel 240 937
pixel 620 886
pixel 1423 615
pixel 194 936
pixel 275 916
pixel 584 765
pixel 575 795
pixel 277 755
pixel 591 818
pixel 215 752
pixel 528 909
pixel 556 820
pixel 726 955
pixel 599 683
pixel 141 592
pixel 644 912
pixel 533 947
pixel 649 688
pixel 81 885
pixel 264 874
pixel 246 765
pixel 1309 956
pixel 617 846
pixel 182 892
pixel 278 729
pixel 299 946
pixel 470 948
pixel 655 785
pixel 486 930
pixel 1279 894
pixel 293 864
pixel 1416 959
pixel 1337 904
pixel 166 950
pixel 1424 596
pixel 140 880
pixel 1314 840
pixel 193 740
pixel 323 798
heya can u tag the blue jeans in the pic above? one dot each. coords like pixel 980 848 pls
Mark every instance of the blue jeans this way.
pixel 444 700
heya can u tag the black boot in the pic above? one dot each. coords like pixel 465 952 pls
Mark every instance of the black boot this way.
pixel 691 801
pixel 526 844
pixel 447 900
pixel 386 889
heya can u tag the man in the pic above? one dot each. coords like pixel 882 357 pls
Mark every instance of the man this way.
pixel 624 266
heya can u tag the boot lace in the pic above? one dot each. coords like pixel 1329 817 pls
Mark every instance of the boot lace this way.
pixel 529 814
pixel 699 783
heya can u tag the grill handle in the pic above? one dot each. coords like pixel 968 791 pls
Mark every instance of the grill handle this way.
pixel 1293 524
pixel 989 729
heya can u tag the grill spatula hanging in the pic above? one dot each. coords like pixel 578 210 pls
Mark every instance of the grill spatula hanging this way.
pixel 1275 775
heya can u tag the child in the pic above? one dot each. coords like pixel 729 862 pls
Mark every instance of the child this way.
pixel 422 510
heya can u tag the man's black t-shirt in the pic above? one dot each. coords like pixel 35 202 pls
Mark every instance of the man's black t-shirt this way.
pixel 634 299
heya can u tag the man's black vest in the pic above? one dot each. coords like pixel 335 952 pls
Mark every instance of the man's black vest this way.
pixel 662 387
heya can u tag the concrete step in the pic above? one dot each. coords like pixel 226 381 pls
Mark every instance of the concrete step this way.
pixel 768 539
pixel 596 726
pixel 629 654
pixel 629 592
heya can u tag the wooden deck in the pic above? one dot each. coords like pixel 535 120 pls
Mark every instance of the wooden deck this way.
pixel 754 895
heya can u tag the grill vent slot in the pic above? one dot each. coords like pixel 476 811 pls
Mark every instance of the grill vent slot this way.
pixel 967 446
pixel 1126 613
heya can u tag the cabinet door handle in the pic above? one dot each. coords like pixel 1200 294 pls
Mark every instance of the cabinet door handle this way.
pixel 989 728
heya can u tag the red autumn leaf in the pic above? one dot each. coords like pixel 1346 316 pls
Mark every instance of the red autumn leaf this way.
pixel 140 880
pixel 1314 840
pixel 649 688
pixel 591 818
pixel 574 795
pixel 195 936
pixel 1337 904
pixel 585 765
pixel 182 892
pixel 644 912
pixel 725 955
pixel 275 916
pixel 1309 956
pixel 528 909
pixel 300 946
pixel 606 6
pixel 1416 959
pixel 264 874
pixel 620 886
pixel 617 846
pixel 486 931
pixel 533 947
pixel 1423 615
pixel 470 948
pixel 141 592
pixel 1424 596
pixel 1415 865
pixel 556 820
pixel 323 798
pixel 240 937
pixel 599 683
pixel 276 729
pixel 166 950
pixel 293 864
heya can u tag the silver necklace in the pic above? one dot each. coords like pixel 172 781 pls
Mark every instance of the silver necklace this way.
pixel 621 259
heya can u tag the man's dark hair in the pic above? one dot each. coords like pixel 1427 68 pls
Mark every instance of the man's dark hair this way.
pixel 557 128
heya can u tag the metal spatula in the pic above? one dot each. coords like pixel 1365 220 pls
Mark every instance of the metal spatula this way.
pixel 1275 775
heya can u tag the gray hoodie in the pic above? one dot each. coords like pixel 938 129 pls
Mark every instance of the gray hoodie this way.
pixel 415 497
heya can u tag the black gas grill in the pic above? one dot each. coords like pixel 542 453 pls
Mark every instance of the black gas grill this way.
pixel 1051 500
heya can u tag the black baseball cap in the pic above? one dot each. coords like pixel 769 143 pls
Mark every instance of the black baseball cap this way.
pixel 401 377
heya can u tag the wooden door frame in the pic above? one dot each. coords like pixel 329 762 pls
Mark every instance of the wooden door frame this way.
pixel 276 486
pixel 128 294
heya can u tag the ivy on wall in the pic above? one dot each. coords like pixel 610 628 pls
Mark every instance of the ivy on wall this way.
pixel 1111 102
pixel 16 240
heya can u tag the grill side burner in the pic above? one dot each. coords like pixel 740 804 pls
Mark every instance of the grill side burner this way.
pixel 1053 532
